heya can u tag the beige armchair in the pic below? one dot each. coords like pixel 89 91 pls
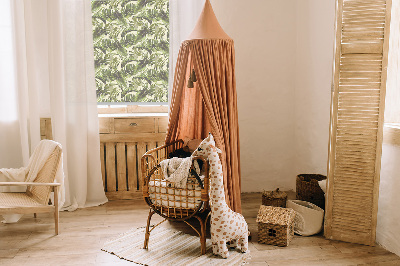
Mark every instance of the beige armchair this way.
pixel 36 197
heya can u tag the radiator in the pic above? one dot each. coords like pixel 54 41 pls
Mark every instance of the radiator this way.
pixel 121 168
pixel 123 141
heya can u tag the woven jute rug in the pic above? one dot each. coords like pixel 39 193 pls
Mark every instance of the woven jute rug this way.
pixel 168 247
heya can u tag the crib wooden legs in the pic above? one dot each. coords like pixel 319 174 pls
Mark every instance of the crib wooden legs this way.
pixel 203 237
pixel 147 235
pixel 203 224
pixel 203 231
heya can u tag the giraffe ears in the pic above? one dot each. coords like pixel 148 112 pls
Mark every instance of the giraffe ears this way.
pixel 210 136
pixel 216 149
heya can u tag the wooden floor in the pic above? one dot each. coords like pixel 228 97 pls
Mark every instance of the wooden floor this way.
pixel 82 233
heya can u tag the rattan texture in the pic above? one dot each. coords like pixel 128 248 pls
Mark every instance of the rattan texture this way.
pixel 167 200
pixel 275 215
pixel 17 199
pixel 274 198
pixel 275 225
pixel 46 175
pixel 308 189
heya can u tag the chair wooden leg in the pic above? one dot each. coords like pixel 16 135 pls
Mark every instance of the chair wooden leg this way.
pixel 34 215
pixel 147 235
pixel 56 211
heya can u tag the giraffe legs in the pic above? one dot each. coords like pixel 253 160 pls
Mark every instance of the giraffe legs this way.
pixel 220 248
pixel 243 244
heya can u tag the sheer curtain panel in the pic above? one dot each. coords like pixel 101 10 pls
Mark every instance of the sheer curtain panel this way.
pixel 183 15
pixel 54 62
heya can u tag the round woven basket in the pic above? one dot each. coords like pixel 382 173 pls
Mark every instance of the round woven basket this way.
pixel 308 189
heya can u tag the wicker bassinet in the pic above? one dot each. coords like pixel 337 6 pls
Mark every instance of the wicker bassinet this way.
pixel 175 203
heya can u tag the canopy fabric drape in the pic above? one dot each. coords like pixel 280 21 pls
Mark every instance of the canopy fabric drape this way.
pixel 211 106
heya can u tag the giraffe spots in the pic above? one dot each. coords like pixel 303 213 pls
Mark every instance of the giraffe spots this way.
pixel 225 224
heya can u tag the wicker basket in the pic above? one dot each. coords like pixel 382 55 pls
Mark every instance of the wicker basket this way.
pixel 274 198
pixel 308 189
pixel 275 225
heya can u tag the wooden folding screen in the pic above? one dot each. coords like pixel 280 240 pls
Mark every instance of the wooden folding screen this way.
pixel 358 96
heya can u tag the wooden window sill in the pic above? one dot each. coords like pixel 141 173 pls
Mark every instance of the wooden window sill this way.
pixel 133 110
pixel 128 115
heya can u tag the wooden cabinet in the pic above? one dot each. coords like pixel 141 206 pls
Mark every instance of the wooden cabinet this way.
pixel 123 141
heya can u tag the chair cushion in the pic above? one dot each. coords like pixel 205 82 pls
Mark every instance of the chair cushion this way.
pixel 17 199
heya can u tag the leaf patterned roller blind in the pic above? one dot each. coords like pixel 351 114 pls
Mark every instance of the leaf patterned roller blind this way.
pixel 131 50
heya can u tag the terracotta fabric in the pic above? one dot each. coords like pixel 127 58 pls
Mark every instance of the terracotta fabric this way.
pixel 211 106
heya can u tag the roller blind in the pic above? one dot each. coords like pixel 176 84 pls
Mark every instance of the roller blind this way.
pixel 358 97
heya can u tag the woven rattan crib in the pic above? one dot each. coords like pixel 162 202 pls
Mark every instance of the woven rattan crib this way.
pixel 170 202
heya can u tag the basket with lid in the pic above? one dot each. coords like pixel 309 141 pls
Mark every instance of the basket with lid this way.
pixel 274 198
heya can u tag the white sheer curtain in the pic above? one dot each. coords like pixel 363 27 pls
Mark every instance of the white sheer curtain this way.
pixel 183 15
pixel 54 65
pixel 10 147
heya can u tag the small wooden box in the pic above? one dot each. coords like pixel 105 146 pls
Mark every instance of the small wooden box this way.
pixel 274 198
pixel 275 225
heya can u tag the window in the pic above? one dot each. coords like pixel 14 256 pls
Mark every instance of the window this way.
pixel 131 50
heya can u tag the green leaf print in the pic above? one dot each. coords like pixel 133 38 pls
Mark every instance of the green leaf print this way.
pixel 131 50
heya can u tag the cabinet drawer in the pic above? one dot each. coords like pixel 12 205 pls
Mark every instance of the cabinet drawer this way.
pixel 134 125
pixel 106 125
pixel 162 124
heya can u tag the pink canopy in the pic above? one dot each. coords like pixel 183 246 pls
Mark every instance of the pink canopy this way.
pixel 211 105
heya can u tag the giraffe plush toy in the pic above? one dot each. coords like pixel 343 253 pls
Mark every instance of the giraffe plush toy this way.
pixel 226 225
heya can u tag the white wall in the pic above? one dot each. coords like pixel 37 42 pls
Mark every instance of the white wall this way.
pixel 314 60
pixel 264 34
pixel 284 52
pixel 388 227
